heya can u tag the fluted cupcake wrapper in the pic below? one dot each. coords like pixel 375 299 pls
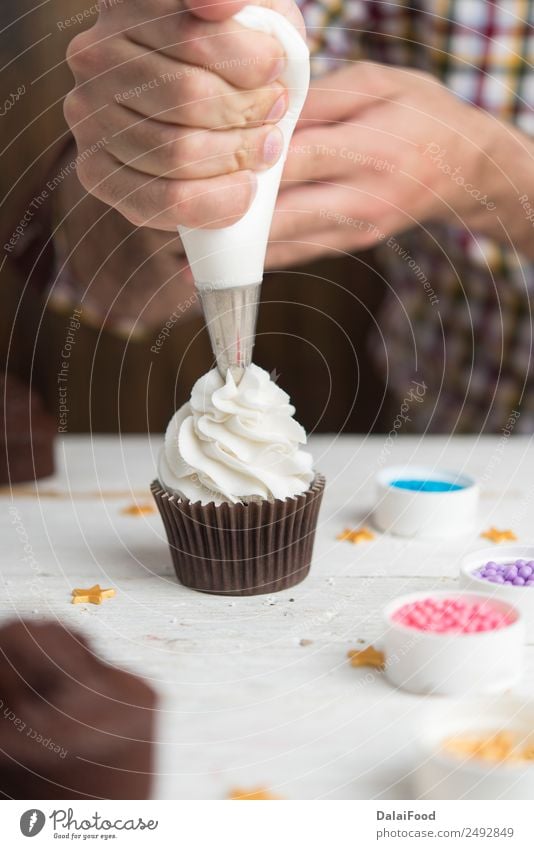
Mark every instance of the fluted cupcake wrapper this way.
pixel 241 549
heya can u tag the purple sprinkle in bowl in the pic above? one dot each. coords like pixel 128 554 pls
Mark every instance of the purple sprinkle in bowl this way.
pixel 504 572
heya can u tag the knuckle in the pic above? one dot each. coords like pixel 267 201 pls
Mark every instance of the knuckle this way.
pixel 246 153
pixel 74 108
pixel 170 195
pixel 186 151
pixel 164 144
pixel 75 50
pixel 258 107
pixel 83 53
pixel 194 87
pixel 191 36
pixel 132 214
pixel 253 113
pixel 88 179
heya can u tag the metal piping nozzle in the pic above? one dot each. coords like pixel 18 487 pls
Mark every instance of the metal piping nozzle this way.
pixel 230 316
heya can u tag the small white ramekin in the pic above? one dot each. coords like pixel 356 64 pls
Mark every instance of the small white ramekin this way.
pixel 425 515
pixel 520 597
pixel 440 775
pixel 425 662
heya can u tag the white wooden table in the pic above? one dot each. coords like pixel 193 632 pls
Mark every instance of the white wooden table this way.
pixel 254 691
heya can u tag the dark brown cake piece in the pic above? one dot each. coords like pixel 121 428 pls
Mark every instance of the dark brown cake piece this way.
pixel 26 433
pixel 71 726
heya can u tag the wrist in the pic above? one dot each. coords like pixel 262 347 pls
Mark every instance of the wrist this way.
pixel 466 191
pixel 489 187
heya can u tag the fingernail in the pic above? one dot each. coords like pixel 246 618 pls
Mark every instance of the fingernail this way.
pixel 272 147
pixel 277 69
pixel 278 110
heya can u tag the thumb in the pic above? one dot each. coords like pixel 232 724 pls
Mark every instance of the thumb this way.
pixel 214 10
pixel 220 10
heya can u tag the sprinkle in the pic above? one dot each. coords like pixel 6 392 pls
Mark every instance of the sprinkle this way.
pixel 138 510
pixel 517 573
pixel 451 615
pixel 367 657
pixel 256 795
pixel 497 747
pixel 497 536
pixel 93 595
pixel 356 536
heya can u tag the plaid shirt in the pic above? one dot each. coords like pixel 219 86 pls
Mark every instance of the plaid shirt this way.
pixel 472 342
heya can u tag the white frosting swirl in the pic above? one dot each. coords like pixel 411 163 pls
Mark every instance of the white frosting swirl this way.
pixel 232 443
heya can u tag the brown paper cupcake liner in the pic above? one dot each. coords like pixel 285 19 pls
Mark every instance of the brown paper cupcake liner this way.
pixel 241 549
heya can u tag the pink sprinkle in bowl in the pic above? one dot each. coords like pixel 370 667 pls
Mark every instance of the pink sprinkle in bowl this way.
pixel 453 663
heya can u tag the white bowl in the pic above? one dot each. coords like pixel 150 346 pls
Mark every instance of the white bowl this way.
pixel 439 775
pixel 426 515
pixel 520 597
pixel 425 662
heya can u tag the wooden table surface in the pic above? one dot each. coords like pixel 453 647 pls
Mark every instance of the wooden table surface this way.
pixel 254 691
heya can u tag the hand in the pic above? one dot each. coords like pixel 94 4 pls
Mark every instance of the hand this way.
pixel 174 107
pixel 129 280
pixel 374 154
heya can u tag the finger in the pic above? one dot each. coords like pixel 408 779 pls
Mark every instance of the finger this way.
pixel 355 88
pixel 166 204
pixel 226 48
pixel 215 10
pixel 313 208
pixel 288 253
pixel 218 10
pixel 327 154
pixel 156 86
pixel 161 149
pixel 120 15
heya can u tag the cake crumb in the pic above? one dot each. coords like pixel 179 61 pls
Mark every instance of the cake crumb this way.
pixel 305 642
pixel 367 657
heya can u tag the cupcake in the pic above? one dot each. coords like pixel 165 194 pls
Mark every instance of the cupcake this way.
pixel 237 493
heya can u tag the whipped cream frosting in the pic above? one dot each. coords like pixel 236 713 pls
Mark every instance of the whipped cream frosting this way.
pixel 233 443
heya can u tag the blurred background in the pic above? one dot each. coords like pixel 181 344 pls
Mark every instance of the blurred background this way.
pixel 313 328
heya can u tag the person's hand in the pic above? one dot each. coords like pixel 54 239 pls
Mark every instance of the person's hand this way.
pixel 174 107
pixel 377 151
pixel 129 280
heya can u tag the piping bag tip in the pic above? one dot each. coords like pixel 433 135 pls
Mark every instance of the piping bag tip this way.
pixel 231 315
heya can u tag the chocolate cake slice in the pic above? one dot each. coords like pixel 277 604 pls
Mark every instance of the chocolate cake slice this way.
pixel 71 726
pixel 27 433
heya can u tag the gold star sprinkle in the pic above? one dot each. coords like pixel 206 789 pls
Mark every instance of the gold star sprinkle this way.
pixel 367 657
pixel 93 595
pixel 498 536
pixel 256 795
pixel 499 747
pixel 356 536
pixel 138 510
